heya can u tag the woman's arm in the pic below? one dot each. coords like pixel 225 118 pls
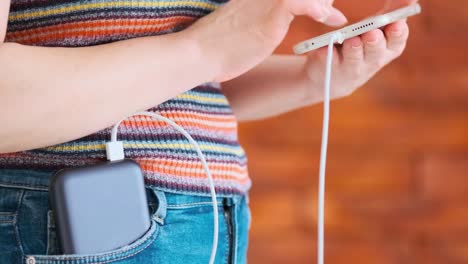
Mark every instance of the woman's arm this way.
pixel 275 86
pixel 54 95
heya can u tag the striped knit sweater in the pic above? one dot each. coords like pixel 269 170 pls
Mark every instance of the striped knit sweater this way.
pixel 167 159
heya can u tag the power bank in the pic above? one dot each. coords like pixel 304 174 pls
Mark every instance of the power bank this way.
pixel 358 28
pixel 99 208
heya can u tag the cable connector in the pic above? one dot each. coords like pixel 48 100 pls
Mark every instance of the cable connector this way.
pixel 338 37
pixel 115 150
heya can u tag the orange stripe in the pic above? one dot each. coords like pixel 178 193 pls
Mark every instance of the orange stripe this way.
pixel 196 165
pixel 197 175
pixel 148 123
pixel 172 115
pixel 105 23
pixel 93 33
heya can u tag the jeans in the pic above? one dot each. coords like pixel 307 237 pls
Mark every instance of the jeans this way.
pixel 181 227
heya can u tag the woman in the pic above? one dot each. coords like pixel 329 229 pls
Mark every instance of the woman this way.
pixel 70 69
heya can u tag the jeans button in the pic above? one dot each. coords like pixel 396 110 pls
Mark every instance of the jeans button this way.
pixel 30 260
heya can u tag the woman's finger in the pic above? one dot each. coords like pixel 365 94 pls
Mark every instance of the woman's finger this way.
pixel 374 47
pixel 352 52
pixel 336 18
pixel 397 36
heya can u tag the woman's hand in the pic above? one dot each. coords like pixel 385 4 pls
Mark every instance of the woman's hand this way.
pixel 282 83
pixel 358 59
pixel 242 33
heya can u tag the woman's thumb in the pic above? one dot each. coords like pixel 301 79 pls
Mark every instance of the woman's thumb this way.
pixel 334 18
pixel 318 10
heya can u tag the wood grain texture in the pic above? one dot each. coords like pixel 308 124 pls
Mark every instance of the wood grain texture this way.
pixel 397 178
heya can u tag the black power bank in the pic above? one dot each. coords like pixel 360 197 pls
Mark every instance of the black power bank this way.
pixel 100 207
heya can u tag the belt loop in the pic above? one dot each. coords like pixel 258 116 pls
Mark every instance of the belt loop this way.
pixel 234 200
pixel 161 211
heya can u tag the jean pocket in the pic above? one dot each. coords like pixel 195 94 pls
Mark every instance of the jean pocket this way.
pixel 114 256
pixel 157 207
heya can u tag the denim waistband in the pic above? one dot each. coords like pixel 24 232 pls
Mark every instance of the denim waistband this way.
pixel 25 179
pixel 39 181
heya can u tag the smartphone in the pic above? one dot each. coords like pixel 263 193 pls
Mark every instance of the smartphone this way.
pixel 358 28
pixel 99 208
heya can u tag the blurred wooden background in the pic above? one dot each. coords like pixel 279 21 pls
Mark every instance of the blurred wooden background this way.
pixel 397 186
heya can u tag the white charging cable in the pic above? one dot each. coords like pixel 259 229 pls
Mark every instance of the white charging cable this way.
pixel 337 37
pixel 115 151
